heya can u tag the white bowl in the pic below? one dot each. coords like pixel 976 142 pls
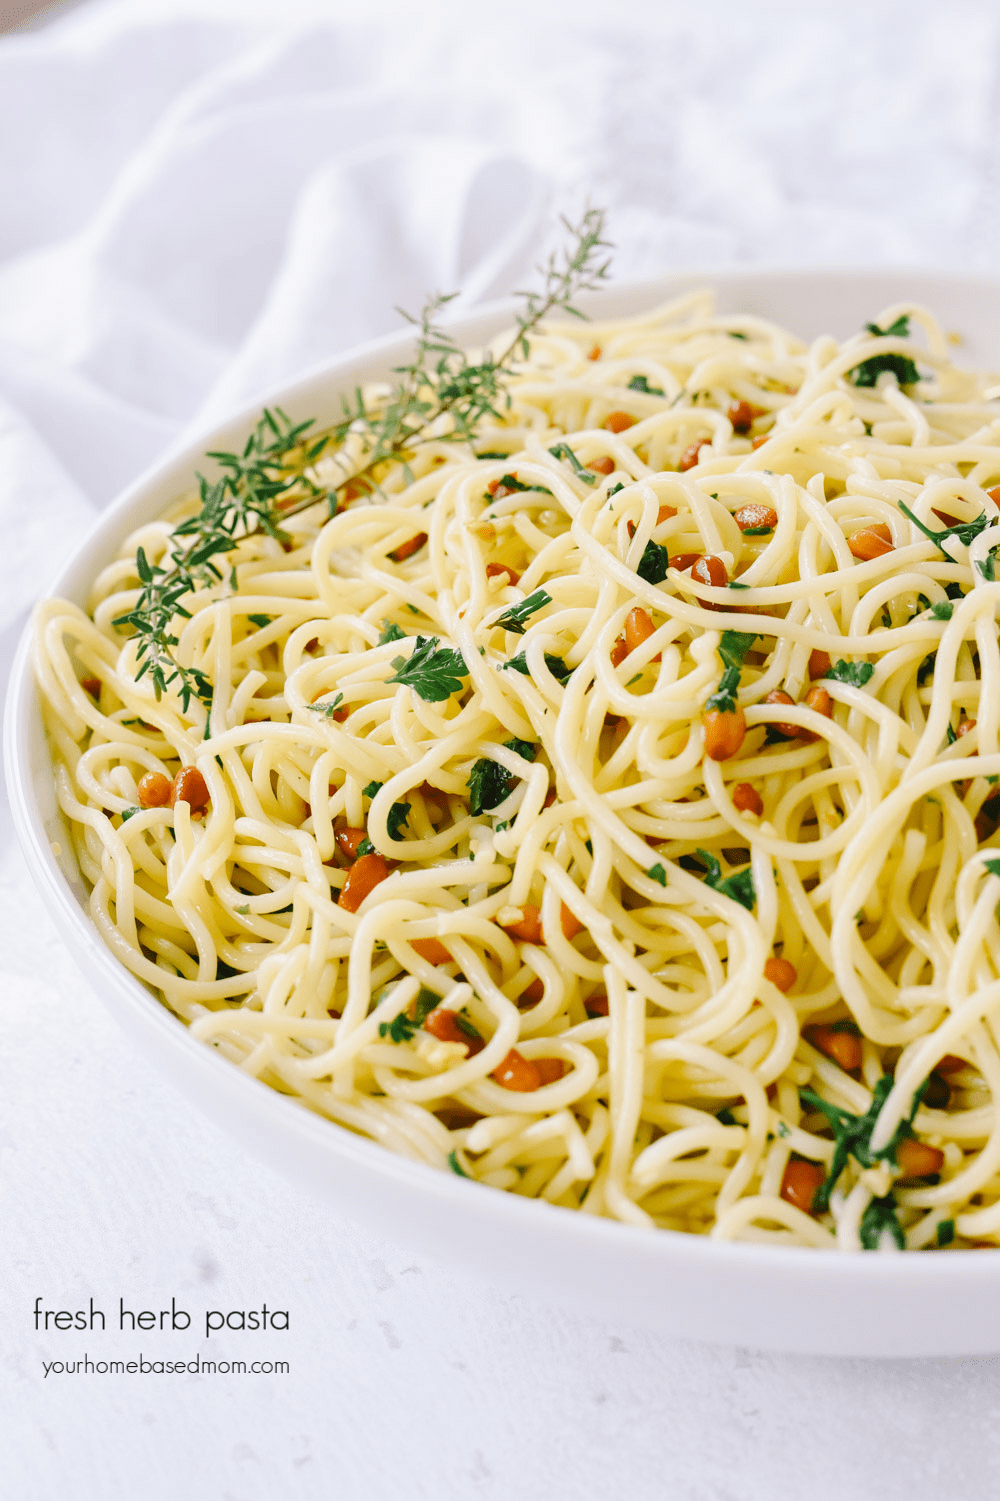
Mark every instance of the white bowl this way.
pixel 813 1301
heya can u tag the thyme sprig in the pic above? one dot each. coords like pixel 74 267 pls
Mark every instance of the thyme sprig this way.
pixel 251 495
pixel 441 396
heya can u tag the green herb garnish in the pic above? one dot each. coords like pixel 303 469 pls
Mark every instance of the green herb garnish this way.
pixel 880 1216
pixel 555 664
pixel 490 783
pixel 945 1232
pixel 640 383
pixel 943 610
pixel 854 674
pixel 853 1133
pixel 988 566
pixel 734 645
pixel 127 813
pixel 260 620
pixel 390 632
pixel 456 1166
pixel 440 396
pixel 901 366
pixel 396 819
pixel 563 451
pixel 738 887
pixel 432 671
pixel 403 1026
pixel 653 564
pixel 657 873
pixel 515 618
pixel 724 697
pixel 965 531
pixel 327 710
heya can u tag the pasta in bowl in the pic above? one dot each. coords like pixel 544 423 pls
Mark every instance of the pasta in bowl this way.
pixel 600 807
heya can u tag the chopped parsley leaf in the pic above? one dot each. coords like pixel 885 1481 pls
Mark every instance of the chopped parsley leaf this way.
pixel 854 674
pixel 945 1232
pixel 511 482
pixel 260 620
pixel 657 873
pixel 654 563
pixel 396 819
pixel 734 645
pixel 456 1166
pixel 555 664
pixel 853 1133
pixel 879 1217
pixel 490 783
pixel 514 619
pixel 432 671
pixel 900 365
pixel 965 531
pixel 738 887
pixel 403 1026
pixel 640 383
pixel 724 697
pixel 390 632
pixel 943 610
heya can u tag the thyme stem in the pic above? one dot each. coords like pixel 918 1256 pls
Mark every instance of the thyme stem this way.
pixel 441 396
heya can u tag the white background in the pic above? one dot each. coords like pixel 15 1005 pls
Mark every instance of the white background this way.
pixel 196 200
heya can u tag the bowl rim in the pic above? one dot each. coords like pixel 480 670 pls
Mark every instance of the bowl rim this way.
pixel 145 498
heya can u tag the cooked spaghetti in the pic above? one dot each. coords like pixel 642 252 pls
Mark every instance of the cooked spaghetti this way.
pixel 604 809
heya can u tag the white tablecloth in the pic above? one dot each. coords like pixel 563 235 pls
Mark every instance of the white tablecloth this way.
pixel 198 199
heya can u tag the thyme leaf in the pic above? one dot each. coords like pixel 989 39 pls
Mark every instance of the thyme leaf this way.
pixel 563 451
pixel 440 396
